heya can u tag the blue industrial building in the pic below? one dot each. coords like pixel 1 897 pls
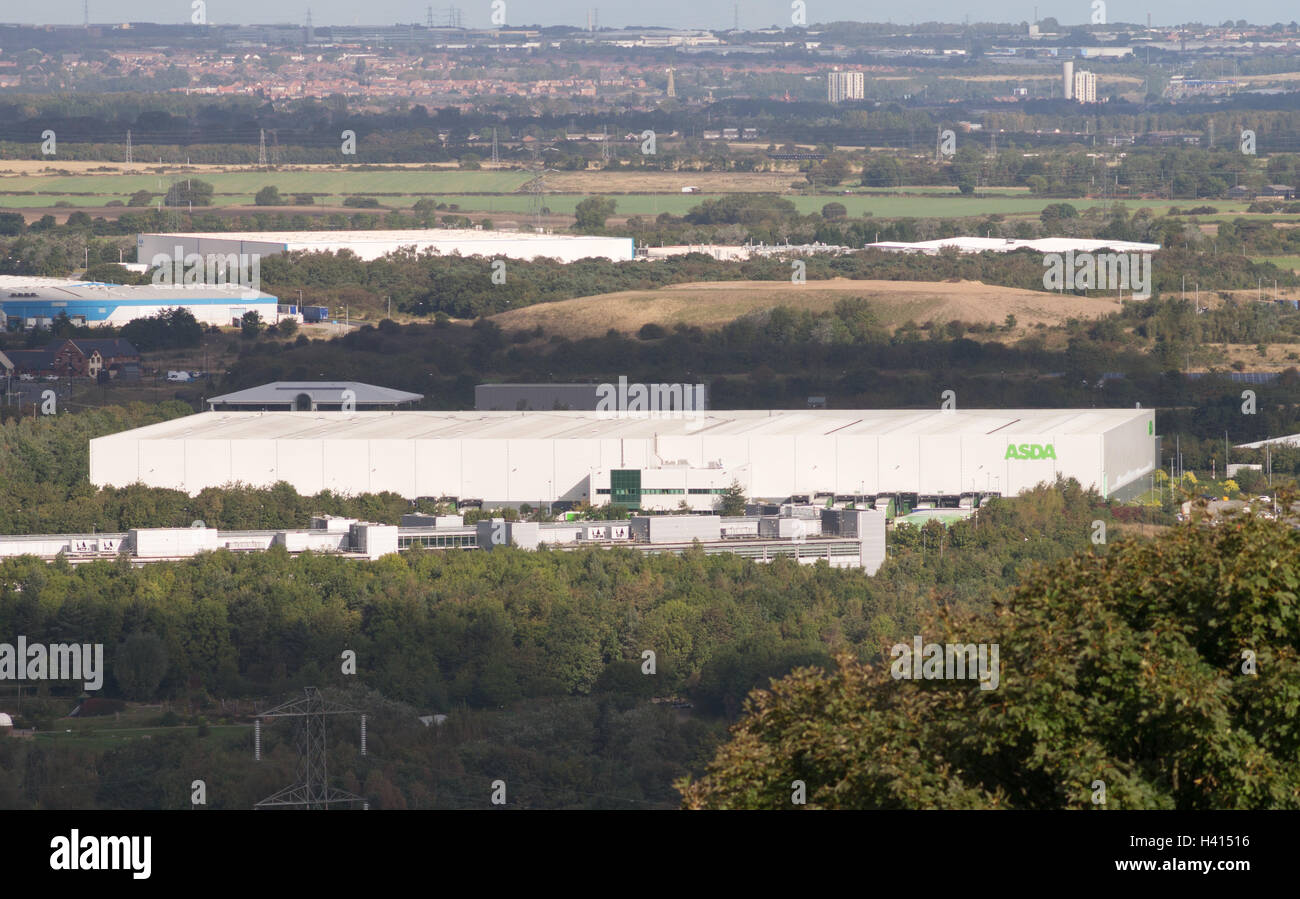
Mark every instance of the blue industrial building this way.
pixel 36 302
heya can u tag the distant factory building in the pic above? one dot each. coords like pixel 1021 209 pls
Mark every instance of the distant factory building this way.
pixel 312 396
pixel 652 462
pixel 850 538
pixel 36 302
pixel 1008 245
pixel 729 252
pixel 368 245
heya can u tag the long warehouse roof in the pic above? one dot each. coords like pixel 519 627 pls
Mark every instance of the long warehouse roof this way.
pixel 557 425
pixel 1008 245
pixel 415 236
pixel 69 289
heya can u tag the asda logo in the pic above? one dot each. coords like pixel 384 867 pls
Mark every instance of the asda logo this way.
pixel 1031 451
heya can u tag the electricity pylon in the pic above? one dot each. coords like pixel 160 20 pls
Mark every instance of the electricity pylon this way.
pixel 312 789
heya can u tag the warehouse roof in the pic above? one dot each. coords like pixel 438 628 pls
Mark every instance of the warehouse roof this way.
pixel 323 392
pixel 550 425
pixel 69 289
pixel 423 235
pixel 32 360
pixel 1007 245
pixel 1287 440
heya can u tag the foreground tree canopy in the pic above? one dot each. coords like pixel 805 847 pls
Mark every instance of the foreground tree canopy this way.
pixel 1132 669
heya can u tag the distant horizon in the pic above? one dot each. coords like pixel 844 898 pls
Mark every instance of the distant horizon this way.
pixel 710 14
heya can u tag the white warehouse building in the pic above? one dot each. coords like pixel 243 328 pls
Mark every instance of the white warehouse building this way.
pixel 652 461
pixel 35 302
pixel 369 245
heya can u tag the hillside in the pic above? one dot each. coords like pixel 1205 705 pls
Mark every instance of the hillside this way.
pixel 713 304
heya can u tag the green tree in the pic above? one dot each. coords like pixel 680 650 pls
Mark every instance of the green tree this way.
pixel 1055 213
pixel 833 170
pixel 190 192
pixel 1168 669
pixel 732 501
pixel 881 171
pixel 592 212
pixel 170 329
pixel 268 196
pixel 112 273
pixel 140 198
pixel 833 212
pixel 251 324
pixel 140 665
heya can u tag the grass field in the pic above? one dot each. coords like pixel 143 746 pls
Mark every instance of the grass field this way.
pixel 628 204
pixel 1291 262
pixel 302 181
pixel 713 304
pixel 636 193
pixel 97 735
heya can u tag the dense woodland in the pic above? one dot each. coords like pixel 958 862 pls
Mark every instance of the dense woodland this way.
pixel 1165 672
pixel 535 656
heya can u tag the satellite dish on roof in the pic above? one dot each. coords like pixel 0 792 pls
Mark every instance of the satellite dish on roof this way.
pixel 197 523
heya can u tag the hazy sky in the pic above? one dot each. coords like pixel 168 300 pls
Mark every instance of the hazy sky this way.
pixel 673 13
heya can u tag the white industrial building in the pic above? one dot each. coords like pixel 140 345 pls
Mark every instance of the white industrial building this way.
pixel 35 302
pixel 840 538
pixel 652 461
pixel 369 245
pixel 741 252
pixel 1009 245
